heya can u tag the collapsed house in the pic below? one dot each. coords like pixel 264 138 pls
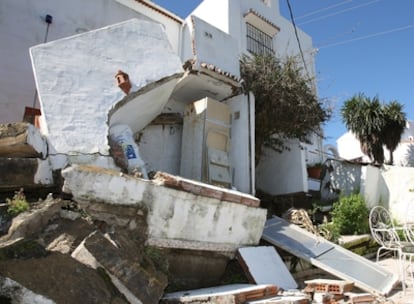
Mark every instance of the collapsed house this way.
pixel 146 141
pixel 208 49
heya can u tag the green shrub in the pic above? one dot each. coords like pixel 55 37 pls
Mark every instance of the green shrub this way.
pixel 17 204
pixel 350 215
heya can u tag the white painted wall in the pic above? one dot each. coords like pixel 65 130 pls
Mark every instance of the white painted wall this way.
pixel 389 186
pixel 160 148
pixel 372 186
pixel 214 46
pixel 349 148
pixel 396 190
pixel 227 16
pixel 276 173
pixel 172 215
pixel 282 173
pixel 242 150
pixel 216 13
pixel 172 23
pixel 343 178
pixel 22 26
pixel 78 93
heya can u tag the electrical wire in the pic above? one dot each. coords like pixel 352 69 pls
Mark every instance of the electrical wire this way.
pixel 323 9
pixel 368 36
pixel 297 39
pixel 339 12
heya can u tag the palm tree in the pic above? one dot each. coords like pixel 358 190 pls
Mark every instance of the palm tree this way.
pixel 365 118
pixel 395 122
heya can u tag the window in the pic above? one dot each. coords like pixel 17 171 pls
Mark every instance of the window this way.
pixel 258 42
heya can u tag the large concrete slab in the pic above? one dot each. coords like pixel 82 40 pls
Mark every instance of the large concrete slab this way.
pixel 176 219
pixel 78 92
pixel 139 282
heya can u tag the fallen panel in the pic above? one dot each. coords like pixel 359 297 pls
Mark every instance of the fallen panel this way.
pixel 265 266
pixel 303 244
pixel 282 300
pixel 236 293
pixel 178 219
pixel 78 91
pixel 333 259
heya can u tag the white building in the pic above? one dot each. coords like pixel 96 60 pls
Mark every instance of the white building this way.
pixel 349 148
pixel 209 44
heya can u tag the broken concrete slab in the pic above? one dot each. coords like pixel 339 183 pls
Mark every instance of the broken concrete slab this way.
pixel 228 294
pixel 19 173
pixel 138 282
pixel 13 292
pixel 21 140
pixel 263 265
pixel 199 188
pixel 284 299
pixel 176 219
pixel 32 221
pixel 75 79
pixel 329 257
pixel 61 279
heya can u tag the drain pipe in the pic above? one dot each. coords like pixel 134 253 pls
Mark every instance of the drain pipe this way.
pixel 251 122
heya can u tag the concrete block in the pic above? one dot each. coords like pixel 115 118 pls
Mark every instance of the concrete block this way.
pixel 21 140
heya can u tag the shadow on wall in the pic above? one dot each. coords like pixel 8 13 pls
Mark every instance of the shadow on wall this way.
pixel 339 178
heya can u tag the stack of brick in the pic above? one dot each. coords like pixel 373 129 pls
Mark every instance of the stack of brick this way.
pixel 328 291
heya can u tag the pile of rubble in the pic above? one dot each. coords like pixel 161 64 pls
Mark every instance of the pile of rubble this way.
pixel 105 237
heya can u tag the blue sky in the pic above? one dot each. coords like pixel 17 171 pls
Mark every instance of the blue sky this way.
pixel 363 46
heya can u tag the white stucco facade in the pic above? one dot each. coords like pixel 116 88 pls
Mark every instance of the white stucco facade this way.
pixel 349 148
pixel 78 93
pixel 23 25
pixel 211 40
pixel 388 186
pixel 173 216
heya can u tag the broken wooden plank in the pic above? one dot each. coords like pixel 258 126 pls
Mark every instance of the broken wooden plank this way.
pixel 263 265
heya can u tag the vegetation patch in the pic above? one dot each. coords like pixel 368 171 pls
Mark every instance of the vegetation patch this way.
pixel 17 204
pixel 350 215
